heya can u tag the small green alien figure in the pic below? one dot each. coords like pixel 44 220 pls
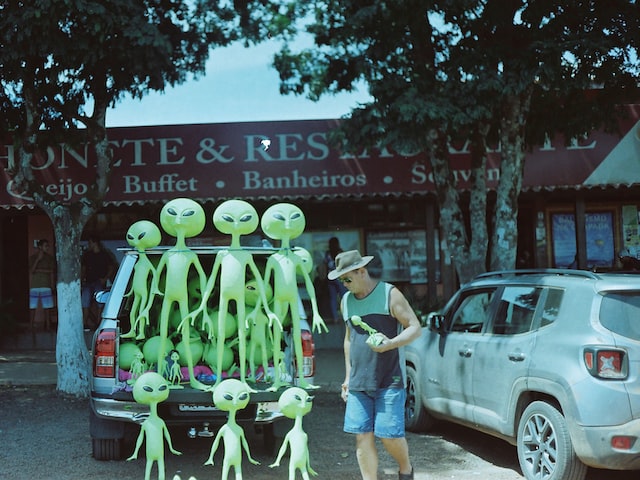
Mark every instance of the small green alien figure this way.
pixel 284 221
pixel 181 218
pixel 231 395
pixel 142 235
pixel 375 337
pixel 150 389
pixel 295 403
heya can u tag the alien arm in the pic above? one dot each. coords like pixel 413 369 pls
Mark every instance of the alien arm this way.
pixel 214 447
pixel 318 323
pixel 260 283
pixel 281 452
pixel 134 455
pixel 167 437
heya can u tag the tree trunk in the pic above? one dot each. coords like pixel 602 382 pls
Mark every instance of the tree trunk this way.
pixel 468 252
pixel 504 241
pixel 72 355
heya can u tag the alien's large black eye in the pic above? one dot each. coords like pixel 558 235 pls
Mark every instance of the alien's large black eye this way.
pixel 309 399
pixel 189 213
pixel 295 215
pixel 171 211
pixel 147 388
pixel 227 218
pixel 228 396
pixel 243 396
pixel 246 218
pixel 129 236
pixel 297 397
pixel 162 388
pixel 141 236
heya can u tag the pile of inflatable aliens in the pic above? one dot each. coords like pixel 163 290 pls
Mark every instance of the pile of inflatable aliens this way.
pixel 189 340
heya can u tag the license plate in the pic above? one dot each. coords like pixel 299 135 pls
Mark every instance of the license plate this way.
pixel 184 407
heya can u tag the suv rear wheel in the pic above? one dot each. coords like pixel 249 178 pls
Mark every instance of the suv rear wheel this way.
pixel 545 450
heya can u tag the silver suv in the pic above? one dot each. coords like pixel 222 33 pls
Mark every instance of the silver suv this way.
pixel 548 360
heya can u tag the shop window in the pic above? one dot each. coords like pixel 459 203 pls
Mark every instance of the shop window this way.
pixel 600 239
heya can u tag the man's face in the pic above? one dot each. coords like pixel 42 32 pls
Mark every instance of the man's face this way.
pixel 352 280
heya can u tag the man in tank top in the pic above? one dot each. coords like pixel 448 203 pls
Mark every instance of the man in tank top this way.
pixel 379 322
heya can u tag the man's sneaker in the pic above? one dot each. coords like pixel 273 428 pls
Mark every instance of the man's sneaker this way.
pixel 405 476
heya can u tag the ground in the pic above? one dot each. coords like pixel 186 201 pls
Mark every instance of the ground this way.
pixel 46 436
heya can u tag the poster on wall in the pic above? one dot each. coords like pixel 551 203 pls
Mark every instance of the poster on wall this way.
pixel 600 244
pixel 400 256
pixel 631 229
pixel 317 243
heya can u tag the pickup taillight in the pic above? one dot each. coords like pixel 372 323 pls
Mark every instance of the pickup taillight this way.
pixel 104 354
pixel 606 363
pixel 308 357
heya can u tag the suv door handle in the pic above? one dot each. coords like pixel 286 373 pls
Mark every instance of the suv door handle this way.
pixel 517 356
pixel 465 352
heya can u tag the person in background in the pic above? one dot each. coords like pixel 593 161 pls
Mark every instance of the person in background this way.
pixel 97 270
pixel 335 288
pixel 42 268
pixel 628 259
pixel 375 376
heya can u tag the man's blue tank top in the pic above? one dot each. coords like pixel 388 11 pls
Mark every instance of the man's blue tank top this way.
pixel 370 370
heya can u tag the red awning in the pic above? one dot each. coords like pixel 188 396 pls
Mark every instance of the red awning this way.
pixel 229 160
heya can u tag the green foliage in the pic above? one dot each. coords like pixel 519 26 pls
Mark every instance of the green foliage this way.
pixel 495 72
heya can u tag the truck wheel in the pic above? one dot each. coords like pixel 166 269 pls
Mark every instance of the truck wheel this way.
pixel 544 445
pixel 416 418
pixel 107 437
pixel 106 448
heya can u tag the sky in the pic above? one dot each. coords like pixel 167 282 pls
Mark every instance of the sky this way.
pixel 240 85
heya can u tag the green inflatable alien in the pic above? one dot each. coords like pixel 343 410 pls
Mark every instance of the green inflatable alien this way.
pixel 142 235
pixel 284 221
pixel 150 389
pixel 235 218
pixel 181 218
pixel 295 403
pixel 231 395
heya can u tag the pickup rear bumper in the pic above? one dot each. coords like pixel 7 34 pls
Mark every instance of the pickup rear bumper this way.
pixel 184 411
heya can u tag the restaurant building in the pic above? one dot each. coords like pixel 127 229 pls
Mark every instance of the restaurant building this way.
pixel 579 204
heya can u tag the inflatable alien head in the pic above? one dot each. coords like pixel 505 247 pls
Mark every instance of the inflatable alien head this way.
pixel 295 402
pixel 252 294
pixel 283 221
pixel 231 395
pixel 151 388
pixel 235 218
pixel 143 234
pixel 182 217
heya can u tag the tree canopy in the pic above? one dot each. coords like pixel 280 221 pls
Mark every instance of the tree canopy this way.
pixel 62 64
pixel 501 73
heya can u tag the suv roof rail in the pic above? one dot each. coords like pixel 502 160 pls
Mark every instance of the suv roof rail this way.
pixel 542 271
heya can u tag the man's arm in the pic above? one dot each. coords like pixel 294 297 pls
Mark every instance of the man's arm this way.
pixel 404 314
pixel 347 363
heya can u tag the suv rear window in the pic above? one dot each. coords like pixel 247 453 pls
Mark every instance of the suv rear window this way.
pixel 620 313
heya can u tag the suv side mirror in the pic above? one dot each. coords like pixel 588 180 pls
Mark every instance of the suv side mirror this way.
pixel 436 322
pixel 102 296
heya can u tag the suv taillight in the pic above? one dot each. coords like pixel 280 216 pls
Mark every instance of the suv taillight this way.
pixel 308 358
pixel 606 363
pixel 104 354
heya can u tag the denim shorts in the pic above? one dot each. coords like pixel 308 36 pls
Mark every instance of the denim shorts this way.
pixel 380 412
pixel 42 295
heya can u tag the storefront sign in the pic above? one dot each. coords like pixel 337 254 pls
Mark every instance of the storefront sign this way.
pixel 277 160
